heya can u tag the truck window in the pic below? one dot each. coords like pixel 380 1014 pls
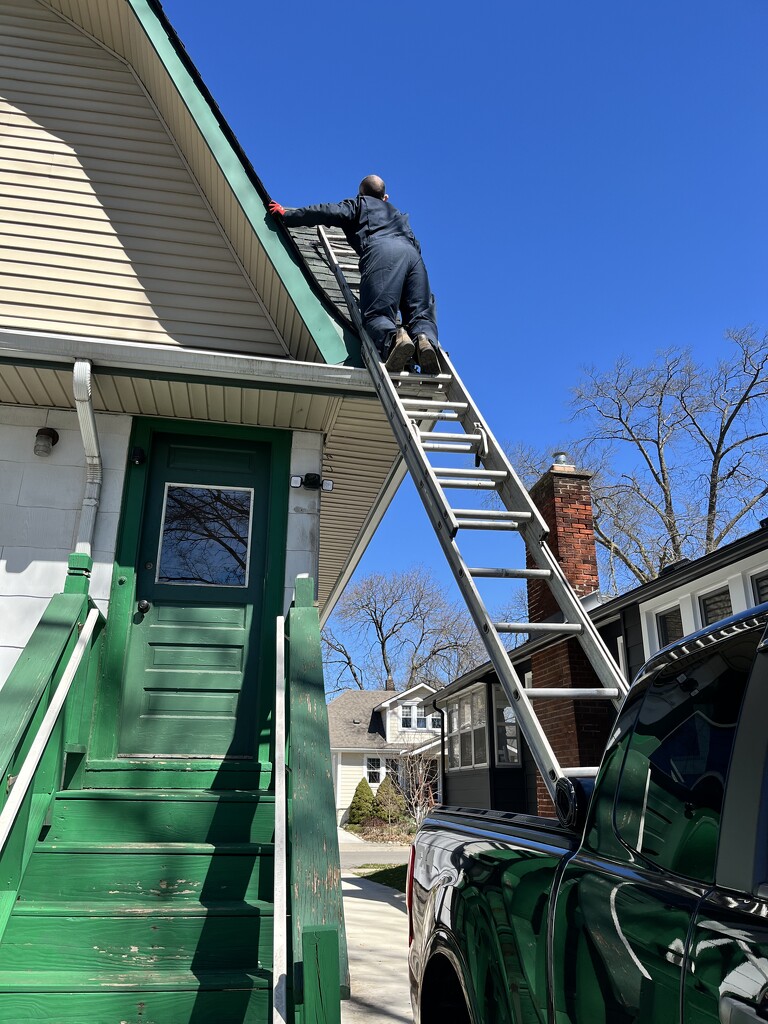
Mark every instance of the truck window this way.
pixel 670 794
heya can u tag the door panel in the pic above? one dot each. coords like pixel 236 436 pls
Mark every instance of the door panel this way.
pixel 191 677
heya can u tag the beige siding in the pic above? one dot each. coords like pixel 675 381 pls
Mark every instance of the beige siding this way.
pixel 112 22
pixel 351 770
pixel 103 230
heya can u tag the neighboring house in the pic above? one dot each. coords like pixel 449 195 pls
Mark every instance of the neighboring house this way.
pixel 484 762
pixel 373 732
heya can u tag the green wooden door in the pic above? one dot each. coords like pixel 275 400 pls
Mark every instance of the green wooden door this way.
pixel 191 675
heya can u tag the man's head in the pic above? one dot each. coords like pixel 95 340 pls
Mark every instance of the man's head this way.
pixel 373 185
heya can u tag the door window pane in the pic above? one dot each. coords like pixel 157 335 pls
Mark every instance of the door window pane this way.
pixel 715 606
pixel 205 536
pixel 670 626
pixel 672 783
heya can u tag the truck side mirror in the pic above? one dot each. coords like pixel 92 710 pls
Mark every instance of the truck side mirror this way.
pixel 572 798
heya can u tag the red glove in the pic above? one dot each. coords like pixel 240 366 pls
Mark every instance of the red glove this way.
pixel 276 209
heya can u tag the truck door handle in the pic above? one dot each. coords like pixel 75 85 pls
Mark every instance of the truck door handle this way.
pixel 735 1011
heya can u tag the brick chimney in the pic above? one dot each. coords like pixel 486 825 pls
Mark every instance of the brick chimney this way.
pixel 577 730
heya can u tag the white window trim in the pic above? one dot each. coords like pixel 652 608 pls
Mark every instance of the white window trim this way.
pixel 737 577
pixel 428 715
pixel 456 700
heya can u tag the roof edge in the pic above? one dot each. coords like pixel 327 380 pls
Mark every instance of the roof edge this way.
pixel 328 326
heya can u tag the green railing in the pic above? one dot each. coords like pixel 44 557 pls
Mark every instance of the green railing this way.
pixel 318 944
pixel 45 708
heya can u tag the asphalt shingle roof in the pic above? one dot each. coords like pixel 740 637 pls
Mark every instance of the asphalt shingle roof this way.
pixel 312 252
pixel 353 723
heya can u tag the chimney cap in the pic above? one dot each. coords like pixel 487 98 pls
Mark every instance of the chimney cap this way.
pixel 561 459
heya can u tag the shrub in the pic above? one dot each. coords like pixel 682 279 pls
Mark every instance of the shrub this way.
pixel 361 808
pixel 389 803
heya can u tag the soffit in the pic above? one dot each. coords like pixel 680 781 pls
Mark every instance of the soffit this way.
pixel 136 31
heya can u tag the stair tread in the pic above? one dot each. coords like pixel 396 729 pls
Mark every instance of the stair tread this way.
pixel 97 981
pixel 237 849
pixel 187 795
pixel 92 909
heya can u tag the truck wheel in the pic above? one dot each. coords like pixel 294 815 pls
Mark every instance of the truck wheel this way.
pixel 442 998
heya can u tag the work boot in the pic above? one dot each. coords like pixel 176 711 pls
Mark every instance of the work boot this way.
pixel 401 351
pixel 426 355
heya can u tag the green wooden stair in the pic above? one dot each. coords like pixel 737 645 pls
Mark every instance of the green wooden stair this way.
pixel 144 907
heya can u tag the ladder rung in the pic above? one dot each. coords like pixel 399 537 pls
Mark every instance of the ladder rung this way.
pixel 538 627
pixel 511 574
pixel 430 403
pixel 457 448
pixel 475 474
pixel 492 514
pixel 444 435
pixel 429 414
pixel 459 482
pixel 486 524
pixel 599 693
pixel 580 773
pixel 425 379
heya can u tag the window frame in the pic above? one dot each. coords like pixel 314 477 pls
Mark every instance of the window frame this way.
pixel 714 592
pixel 368 759
pixel 466 728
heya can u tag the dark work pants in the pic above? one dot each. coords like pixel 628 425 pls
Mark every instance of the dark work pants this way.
pixel 393 276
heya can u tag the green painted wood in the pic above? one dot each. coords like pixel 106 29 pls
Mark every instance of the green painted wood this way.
pixel 139 940
pixel 191 675
pixel 314 867
pixel 126 818
pixel 114 1003
pixel 248 734
pixel 111 875
pixel 117 776
pixel 321 976
pixel 42 661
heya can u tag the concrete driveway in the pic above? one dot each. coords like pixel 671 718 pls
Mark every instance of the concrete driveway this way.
pixel 377 937
pixel 377 941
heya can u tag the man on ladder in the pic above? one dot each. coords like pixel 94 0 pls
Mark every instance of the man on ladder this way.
pixel 393 275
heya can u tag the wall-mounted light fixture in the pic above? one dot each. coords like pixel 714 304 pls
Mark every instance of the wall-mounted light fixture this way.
pixel 312 481
pixel 45 439
pixel 138 456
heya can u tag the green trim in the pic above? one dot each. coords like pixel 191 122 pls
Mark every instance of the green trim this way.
pixel 123 589
pixel 314 866
pixel 79 568
pixel 330 338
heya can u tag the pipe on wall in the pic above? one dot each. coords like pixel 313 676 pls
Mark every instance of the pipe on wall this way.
pixel 94 474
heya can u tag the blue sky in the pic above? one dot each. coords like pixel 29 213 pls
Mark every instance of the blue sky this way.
pixel 586 179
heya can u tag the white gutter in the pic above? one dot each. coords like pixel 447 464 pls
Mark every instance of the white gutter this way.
pixel 81 386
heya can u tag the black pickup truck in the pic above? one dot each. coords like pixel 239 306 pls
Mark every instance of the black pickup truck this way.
pixel 652 907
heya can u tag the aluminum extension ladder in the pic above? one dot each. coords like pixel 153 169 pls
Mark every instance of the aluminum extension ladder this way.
pixel 411 402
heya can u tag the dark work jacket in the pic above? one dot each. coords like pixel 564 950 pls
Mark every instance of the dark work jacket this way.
pixel 364 220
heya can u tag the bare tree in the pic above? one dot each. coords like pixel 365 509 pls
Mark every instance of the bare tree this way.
pixel 679 451
pixel 396 630
pixel 418 783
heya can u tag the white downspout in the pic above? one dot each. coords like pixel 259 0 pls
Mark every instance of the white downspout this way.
pixel 87 421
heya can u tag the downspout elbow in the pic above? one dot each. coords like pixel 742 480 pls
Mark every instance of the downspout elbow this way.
pixel 94 472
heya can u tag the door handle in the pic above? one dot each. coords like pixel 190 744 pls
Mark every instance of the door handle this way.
pixel 143 606
pixel 735 1011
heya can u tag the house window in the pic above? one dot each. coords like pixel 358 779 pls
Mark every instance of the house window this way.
pixel 413 717
pixel 373 767
pixel 760 588
pixel 507 736
pixel 393 769
pixel 466 731
pixel 670 626
pixel 715 606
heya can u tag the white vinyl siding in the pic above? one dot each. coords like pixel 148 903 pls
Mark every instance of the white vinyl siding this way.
pixel 103 230
pixel 114 24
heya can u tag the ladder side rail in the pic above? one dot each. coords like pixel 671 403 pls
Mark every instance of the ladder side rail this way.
pixel 534 533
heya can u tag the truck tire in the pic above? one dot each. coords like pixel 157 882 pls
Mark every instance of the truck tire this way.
pixel 442 997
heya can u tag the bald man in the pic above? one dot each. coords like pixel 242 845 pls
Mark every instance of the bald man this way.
pixel 392 273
